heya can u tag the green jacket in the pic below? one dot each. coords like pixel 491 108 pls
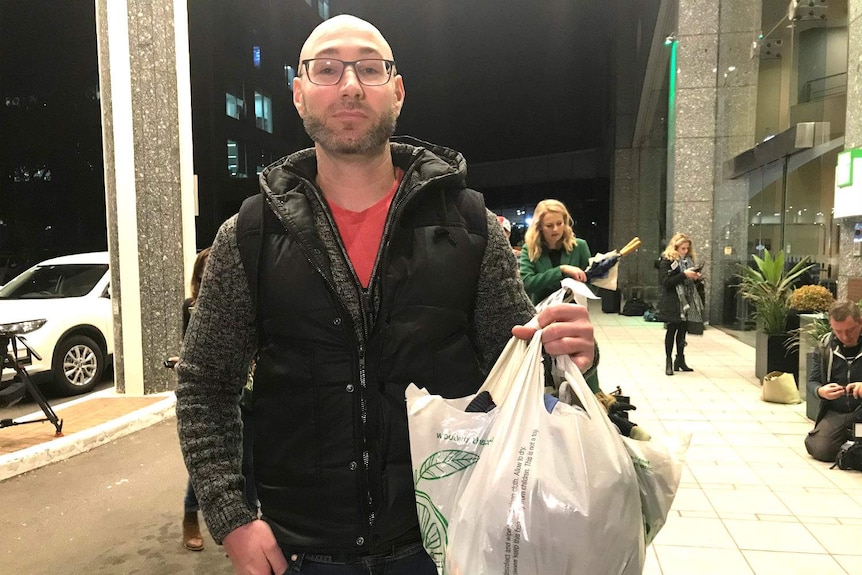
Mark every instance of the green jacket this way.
pixel 541 279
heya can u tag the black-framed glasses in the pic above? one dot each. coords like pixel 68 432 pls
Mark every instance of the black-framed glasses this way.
pixel 328 71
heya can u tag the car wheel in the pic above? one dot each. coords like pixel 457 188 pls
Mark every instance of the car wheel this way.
pixel 78 365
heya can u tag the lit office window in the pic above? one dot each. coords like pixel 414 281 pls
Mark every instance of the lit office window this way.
pixel 323 9
pixel 255 56
pixel 289 75
pixel 236 159
pixel 263 112
pixel 234 105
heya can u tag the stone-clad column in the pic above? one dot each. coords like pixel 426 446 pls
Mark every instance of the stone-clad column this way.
pixel 850 266
pixel 716 96
pixel 146 128
pixel 691 142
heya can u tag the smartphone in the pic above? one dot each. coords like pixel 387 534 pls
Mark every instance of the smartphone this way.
pixel 697 269
pixel 169 363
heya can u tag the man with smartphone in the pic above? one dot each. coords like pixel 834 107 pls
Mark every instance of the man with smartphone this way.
pixel 836 378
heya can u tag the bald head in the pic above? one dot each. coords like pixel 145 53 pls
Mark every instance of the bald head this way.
pixel 329 34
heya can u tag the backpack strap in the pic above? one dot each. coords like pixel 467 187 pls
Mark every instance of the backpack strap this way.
pixel 249 239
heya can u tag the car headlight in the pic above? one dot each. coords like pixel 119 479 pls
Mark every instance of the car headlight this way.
pixel 20 327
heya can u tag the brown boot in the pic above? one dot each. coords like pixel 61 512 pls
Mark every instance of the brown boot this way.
pixel 192 538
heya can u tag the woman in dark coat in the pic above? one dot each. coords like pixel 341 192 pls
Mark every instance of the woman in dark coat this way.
pixel 681 306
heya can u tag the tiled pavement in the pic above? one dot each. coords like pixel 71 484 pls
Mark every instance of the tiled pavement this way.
pixel 751 501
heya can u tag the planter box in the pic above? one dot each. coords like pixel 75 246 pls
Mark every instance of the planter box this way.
pixel 772 355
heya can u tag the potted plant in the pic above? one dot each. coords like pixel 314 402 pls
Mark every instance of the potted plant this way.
pixel 807 303
pixel 768 286
pixel 811 299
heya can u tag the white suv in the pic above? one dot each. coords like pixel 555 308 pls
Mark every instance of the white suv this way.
pixel 62 309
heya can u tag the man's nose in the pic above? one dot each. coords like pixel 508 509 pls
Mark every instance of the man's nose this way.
pixel 349 80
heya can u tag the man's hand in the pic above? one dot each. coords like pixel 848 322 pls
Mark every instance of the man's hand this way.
pixel 566 330
pixel 854 389
pixel 253 550
pixel 831 391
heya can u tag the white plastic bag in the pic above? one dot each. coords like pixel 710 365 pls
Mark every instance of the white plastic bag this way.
pixel 519 491
pixel 658 464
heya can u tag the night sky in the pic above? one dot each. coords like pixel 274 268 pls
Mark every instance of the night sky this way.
pixel 494 79
pixel 500 79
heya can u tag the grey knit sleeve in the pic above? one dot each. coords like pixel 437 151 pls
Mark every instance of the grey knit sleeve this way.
pixel 501 302
pixel 218 346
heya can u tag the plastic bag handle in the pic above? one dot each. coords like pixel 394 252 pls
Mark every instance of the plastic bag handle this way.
pixel 502 376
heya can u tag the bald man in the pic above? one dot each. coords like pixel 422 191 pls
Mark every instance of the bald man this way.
pixel 364 264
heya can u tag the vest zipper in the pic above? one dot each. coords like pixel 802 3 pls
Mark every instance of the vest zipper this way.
pixel 366 313
pixel 363 408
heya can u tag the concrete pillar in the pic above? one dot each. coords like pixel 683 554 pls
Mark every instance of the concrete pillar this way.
pixel 147 141
pixel 638 166
pixel 716 100
pixel 691 141
pixel 848 265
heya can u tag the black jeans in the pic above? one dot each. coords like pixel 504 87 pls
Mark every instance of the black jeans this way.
pixel 825 440
pixel 408 560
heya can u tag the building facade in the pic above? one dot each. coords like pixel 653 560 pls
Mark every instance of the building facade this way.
pixel 734 139
pixel 243 59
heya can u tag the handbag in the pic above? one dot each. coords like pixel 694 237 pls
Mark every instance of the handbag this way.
pixel 520 490
pixel 779 387
pixel 694 327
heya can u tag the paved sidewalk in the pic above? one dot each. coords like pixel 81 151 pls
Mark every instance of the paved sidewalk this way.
pixel 88 422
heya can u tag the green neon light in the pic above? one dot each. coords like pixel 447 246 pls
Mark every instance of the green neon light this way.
pixel 671 92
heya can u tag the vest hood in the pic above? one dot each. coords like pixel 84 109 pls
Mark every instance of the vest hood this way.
pixel 422 163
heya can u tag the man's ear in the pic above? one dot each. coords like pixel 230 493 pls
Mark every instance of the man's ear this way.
pixel 399 93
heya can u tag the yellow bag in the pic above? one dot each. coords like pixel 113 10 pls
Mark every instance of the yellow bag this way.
pixel 779 387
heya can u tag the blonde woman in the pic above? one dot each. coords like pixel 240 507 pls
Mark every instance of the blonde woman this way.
pixel 680 307
pixel 551 251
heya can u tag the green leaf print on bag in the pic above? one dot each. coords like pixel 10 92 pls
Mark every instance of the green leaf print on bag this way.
pixel 444 463
pixel 433 524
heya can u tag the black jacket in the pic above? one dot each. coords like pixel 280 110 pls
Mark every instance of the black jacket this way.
pixel 338 317
pixel 832 364
pixel 670 276
pixel 332 460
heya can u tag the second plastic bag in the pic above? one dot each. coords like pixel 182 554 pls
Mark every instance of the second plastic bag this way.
pixel 518 490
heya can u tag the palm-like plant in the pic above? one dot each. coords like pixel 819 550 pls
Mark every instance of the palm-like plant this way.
pixel 768 288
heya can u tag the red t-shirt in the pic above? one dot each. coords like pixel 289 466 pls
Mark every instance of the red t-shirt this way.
pixel 362 231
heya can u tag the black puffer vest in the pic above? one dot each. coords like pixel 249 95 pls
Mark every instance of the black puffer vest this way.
pixel 331 449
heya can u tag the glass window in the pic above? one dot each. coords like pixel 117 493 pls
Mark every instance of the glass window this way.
pixel 263 112
pixel 57 281
pixel 234 105
pixel 236 159
pixel 255 56
pixel 323 9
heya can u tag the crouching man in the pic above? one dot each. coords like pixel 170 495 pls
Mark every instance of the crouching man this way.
pixel 836 378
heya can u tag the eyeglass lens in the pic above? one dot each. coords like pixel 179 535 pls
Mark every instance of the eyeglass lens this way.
pixel 327 72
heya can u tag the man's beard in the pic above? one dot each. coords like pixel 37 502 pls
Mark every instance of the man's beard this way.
pixel 359 143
